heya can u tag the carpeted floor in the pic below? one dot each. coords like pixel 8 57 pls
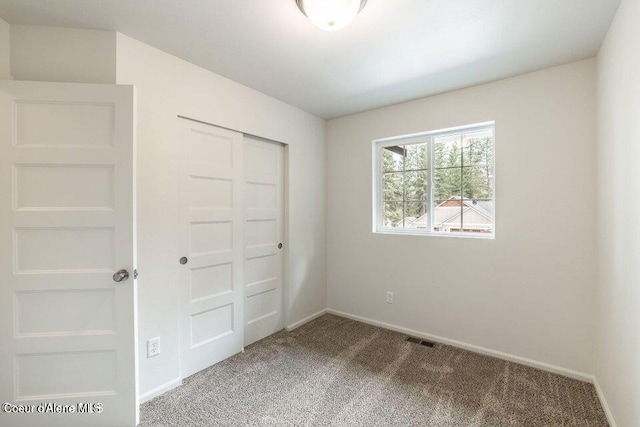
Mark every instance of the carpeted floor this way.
pixel 338 372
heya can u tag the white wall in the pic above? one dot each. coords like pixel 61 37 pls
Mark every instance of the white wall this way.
pixel 166 87
pixel 63 54
pixel 529 292
pixel 618 295
pixel 5 43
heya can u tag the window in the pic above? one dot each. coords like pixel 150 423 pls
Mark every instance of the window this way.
pixel 438 183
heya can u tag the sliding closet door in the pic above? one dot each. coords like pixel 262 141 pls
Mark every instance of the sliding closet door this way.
pixel 263 238
pixel 211 276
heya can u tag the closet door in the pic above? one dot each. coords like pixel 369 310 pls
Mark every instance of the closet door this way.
pixel 263 238
pixel 211 274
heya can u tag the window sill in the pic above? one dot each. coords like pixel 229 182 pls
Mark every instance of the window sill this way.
pixel 487 236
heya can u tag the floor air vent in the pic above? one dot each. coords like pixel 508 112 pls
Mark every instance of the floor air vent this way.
pixel 421 342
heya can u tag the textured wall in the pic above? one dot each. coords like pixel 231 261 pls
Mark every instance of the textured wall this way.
pixel 618 294
pixel 529 292
pixel 5 49
pixel 63 54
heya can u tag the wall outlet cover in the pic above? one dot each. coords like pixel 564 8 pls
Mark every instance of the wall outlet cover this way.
pixel 389 297
pixel 153 347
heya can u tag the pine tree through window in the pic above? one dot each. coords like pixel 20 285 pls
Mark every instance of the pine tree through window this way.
pixel 436 183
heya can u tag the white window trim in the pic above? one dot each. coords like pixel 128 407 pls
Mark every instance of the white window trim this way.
pixel 379 144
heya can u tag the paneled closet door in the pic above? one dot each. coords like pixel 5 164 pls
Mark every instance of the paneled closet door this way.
pixel 211 274
pixel 263 238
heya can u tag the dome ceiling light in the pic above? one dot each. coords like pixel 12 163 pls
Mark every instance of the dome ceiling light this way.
pixel 331 15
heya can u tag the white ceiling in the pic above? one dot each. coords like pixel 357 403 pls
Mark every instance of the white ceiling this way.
pixel 396 50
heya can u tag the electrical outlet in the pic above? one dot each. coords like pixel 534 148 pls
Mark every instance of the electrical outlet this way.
pixel 389 297
pixel 153 347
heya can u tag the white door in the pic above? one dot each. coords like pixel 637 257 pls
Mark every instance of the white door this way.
pixel 263 238
pixel 211 249
pixel 67 329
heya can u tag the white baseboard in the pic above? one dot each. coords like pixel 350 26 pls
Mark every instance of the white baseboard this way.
pixel 161 389
pixel 603 402
pixel 471 347
pixel 307 319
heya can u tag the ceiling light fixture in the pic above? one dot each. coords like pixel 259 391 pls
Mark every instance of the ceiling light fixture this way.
pixel 331 15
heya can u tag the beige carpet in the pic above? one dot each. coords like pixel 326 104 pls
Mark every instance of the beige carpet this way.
pixel 337 372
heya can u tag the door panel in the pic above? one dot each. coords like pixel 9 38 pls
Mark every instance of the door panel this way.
pixel 211 280
pixel 71 187
pixel 67 330
pixel 263 231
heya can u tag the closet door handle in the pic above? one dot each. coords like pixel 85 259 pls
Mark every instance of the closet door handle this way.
pixel 184 260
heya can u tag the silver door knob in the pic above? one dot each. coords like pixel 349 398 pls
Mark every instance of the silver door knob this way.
pixel 121 276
